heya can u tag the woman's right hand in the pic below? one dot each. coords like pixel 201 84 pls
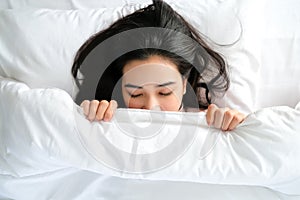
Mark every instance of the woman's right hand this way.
pixel 99 110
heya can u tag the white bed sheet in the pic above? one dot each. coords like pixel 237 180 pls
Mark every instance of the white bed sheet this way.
pixel 45 153
pixel 81 185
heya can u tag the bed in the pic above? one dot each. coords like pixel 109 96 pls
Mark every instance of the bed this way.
pixel 48 150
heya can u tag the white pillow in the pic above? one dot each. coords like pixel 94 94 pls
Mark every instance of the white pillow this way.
pixel 67 4
pixel 279 76
pixel 235 25
pixel 38 45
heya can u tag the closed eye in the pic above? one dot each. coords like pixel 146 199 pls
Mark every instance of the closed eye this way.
pixel 134 95
pixel 165 94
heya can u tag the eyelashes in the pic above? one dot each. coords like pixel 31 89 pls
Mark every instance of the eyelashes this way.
pixel 160 93
pixel 166 94
pixel 134 95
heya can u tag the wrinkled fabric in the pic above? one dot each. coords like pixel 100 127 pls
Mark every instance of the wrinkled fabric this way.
pixel 47 143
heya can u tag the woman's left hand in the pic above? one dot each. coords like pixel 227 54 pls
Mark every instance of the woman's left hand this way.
pixel 223 118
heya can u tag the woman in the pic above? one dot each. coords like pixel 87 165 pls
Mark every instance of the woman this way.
pixel 169 66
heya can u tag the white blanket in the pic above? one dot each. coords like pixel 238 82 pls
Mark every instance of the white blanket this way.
pixel 49 150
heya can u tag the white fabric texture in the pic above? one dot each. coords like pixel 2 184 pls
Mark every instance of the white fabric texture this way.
pixel 279 82
pixel 264 64
pixel 67 4
pixel 42 138
pixel 38 45
pixel 49 151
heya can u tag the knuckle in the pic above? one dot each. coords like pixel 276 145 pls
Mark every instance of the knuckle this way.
pixel 217 125
pixel 219 112
pixel 114 102
pixel 211 106
pixel 91 118
pixel 108 114
pixel 104 103
pixel 85 102
pixel 94 102
pixel 236 118
pixel 92 110
pixel 230 114
pixel 98 118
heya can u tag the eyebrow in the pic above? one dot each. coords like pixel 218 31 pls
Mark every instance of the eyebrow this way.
pixel 140 87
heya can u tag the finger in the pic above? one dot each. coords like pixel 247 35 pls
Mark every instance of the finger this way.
pixel 103 105
pixel 86 107
pixel 92 110
pixel 110 110
pixel 210 114
pixel 237 119
pixel 228 117
pixel 219 117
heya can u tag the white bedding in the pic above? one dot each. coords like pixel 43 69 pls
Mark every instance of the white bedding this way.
pixel 50 151
pixel 52 37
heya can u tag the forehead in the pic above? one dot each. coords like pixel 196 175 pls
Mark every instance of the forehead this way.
pixel 151 60
pixel 152 70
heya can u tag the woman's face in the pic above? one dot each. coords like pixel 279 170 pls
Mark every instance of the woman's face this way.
pixel 154 84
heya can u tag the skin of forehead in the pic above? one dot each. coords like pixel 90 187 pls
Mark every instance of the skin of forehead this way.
pixel 151 71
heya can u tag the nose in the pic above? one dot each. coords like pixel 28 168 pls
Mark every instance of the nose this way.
pixel 151 103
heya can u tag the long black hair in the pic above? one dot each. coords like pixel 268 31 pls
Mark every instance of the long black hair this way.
pixel 158 30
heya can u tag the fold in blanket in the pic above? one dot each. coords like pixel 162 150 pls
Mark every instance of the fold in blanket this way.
pixel 42 131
